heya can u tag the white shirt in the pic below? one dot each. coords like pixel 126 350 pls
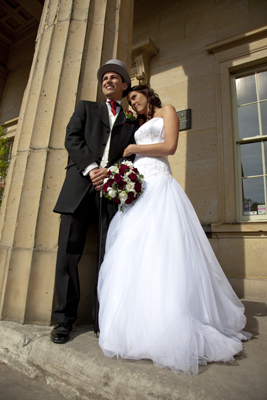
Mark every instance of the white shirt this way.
pixel 112 119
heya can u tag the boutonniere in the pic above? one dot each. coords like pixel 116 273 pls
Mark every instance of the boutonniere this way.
pixel 130 115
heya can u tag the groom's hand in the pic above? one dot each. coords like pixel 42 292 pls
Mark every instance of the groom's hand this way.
pixel 97 176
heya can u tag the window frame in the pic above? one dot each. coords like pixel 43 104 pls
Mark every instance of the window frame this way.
pixel 235 53
pixel 238 142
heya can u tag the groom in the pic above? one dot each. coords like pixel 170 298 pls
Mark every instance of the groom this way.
pixel 96 137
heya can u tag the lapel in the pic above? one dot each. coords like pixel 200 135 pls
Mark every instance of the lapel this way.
pixel 120 118
pixel 120 137
pixel 102 112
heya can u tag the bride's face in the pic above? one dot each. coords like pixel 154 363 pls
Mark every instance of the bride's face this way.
pixel 138 102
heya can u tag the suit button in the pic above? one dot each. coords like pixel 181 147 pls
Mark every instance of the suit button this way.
pixel 104 144
pixel 108 131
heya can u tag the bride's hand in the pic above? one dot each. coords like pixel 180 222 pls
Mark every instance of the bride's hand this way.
pixel 128 151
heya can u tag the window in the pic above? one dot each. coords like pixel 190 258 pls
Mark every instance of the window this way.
pixel 250 129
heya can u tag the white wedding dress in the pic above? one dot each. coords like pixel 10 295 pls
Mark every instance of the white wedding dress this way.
pixel 163 295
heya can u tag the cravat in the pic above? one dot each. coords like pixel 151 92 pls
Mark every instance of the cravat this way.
pixel 113 105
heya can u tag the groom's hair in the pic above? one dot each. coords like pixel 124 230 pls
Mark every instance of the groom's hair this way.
pixel 123 80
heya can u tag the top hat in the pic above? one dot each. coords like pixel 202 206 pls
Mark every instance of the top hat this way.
pixel 115 66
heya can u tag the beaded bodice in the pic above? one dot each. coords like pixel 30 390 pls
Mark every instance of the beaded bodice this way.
pixel 150 133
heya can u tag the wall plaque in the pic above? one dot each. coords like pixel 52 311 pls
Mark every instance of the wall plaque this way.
pixel 185 119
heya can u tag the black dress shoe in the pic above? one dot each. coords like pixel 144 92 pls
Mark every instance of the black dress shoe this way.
pixel 61 333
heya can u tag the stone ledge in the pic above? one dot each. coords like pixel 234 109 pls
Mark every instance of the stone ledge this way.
pixel 240 227
pixel 79 370
pixel 16 342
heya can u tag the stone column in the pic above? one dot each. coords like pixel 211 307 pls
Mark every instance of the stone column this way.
pixel 74 38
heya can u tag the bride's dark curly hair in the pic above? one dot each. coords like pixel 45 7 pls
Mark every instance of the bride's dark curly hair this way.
pixel 152 98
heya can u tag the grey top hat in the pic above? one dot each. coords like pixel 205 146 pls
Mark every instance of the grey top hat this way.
pixel 115 66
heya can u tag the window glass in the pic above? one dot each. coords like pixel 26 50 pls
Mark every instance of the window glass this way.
pixel 263 106
pixel 262 85
pixel 251 159
pixel 250 113
pixel 253 196
pixel 248 121
pixel 246 90
pixel 265 154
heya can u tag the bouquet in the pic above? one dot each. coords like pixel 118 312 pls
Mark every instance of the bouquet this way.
pixel 123 184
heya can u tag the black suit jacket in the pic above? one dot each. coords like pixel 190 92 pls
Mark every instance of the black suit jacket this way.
pixel 86 138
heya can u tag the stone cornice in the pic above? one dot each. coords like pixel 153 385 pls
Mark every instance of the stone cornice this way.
pixel 237 40
pixel 146 46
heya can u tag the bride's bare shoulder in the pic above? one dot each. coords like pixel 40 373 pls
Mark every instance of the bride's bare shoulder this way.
pixel 167 110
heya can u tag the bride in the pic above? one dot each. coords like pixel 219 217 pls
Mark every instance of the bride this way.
pixel 163 295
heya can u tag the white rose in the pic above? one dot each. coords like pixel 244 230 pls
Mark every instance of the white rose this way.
pixel 114 168
pixel 105 180
pixel 112 192
pixel 128 163
pixel 130 186
pixel 123 197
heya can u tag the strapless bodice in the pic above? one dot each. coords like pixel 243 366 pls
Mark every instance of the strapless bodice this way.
pixel 150 133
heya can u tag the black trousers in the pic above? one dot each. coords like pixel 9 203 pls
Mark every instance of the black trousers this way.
pixel 72 237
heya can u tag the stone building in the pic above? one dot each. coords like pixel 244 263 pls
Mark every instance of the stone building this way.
pixel 208 58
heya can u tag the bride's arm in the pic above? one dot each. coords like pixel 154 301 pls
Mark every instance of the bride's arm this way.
pixel 171 133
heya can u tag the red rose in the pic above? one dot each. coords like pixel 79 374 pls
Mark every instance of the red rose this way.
pixel 130 195
pixel 131 198
pixel 138 187
pixel 132 176
pixel 110 182
pixel 123 169
pixel 109 173
pixel 121 185
pixel 116 200
pixel 105 187
pixel 117 178
pixel 135 170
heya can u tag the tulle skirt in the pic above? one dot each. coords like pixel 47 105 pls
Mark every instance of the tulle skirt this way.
pixel 163 295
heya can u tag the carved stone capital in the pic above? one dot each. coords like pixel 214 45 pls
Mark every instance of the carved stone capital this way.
pixel 141 55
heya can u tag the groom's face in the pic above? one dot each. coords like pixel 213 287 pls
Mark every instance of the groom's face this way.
pixel 112 86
